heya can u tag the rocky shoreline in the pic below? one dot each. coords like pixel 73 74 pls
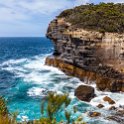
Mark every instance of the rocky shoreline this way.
pixel 86 92
pixel 80 51
pixel 93 57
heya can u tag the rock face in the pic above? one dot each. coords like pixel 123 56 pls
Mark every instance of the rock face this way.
pixel 85 93
pixel 88 54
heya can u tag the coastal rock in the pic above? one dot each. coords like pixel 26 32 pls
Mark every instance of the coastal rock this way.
pixel 85 93
pixel 88 54
pixel 112 108
pixel 120 112
pixel 94 114
pixel 118 119
pixel 100 105
pixel 109 100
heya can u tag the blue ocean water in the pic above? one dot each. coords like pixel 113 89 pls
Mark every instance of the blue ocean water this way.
pixel 15 55
pixel 24 77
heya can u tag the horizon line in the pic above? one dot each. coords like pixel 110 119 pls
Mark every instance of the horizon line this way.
pixel 23 37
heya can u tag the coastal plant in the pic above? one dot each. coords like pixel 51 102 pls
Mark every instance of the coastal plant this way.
pixel 52 105
pixel 55 103
pixel 68 116
pixel 5 116
pixel 102 17
pixel 3 107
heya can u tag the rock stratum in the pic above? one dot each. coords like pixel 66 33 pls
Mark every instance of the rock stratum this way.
pixel 90 55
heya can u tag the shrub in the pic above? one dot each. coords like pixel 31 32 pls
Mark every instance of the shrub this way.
pixel 55 104
pixel 5 118
pixel 103 17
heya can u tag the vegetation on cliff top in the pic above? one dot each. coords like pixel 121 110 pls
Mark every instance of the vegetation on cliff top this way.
pixel 103 17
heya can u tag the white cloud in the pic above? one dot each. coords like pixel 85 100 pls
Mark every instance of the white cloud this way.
pixel 22 9
pixel 31 12
pixel 33 15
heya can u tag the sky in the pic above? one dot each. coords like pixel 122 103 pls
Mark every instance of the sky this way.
pixel 30 18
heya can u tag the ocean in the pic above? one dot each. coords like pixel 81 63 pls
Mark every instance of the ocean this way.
pixel 24 77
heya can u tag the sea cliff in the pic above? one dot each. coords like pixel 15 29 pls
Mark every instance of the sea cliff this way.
pixel 91 55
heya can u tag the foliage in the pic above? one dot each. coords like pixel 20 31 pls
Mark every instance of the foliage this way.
pixel 3 107
pixel 68 116
pixel 103 17
pixel 55 103
pixel 5 118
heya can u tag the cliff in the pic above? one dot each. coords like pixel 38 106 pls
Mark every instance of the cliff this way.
pixel 88 54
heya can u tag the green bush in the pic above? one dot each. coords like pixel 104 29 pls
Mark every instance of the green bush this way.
pixel 55 103
pixel 3 107
pixel 5 117
pixel 103 17
pixel 52 105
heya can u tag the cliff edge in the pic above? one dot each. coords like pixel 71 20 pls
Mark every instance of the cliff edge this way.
pixel 91 54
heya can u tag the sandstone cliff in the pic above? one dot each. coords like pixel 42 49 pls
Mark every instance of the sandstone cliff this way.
pixel 88 54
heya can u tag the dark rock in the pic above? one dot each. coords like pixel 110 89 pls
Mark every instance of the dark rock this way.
pixel 116 118
pixel 100 105
pixel 109 100
pixel 120 112
pixel 85 93
pixel 112 108
pixel 94 114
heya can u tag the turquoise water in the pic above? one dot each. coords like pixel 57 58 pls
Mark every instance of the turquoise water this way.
pixel 23 75
pixel 24 78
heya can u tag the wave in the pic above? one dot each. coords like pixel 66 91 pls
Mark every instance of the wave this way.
pixel 12 61
pixel 35 91
pixel 45 78
pixel 33 70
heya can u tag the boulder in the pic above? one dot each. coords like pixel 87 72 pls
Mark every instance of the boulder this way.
pixel 112 108
pixel 118 119
pixel 120 112
pixel 109 100
pixel 100 105
pixel 85 93
pixel 94 114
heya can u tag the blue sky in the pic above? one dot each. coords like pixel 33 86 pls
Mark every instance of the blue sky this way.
pixel 21 18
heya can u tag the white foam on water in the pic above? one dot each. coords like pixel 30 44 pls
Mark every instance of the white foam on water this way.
pixel 33 70
pixel 30 70
pixel 35 91
pixel 23 118
pixel 12 61
pixel 117 97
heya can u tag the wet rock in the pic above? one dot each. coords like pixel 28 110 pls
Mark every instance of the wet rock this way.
pixel 120 112
pixel 109 100
pixel 116 118
pixel 94 114
pixel 112 108
pixel 85 93
pixel 100 105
